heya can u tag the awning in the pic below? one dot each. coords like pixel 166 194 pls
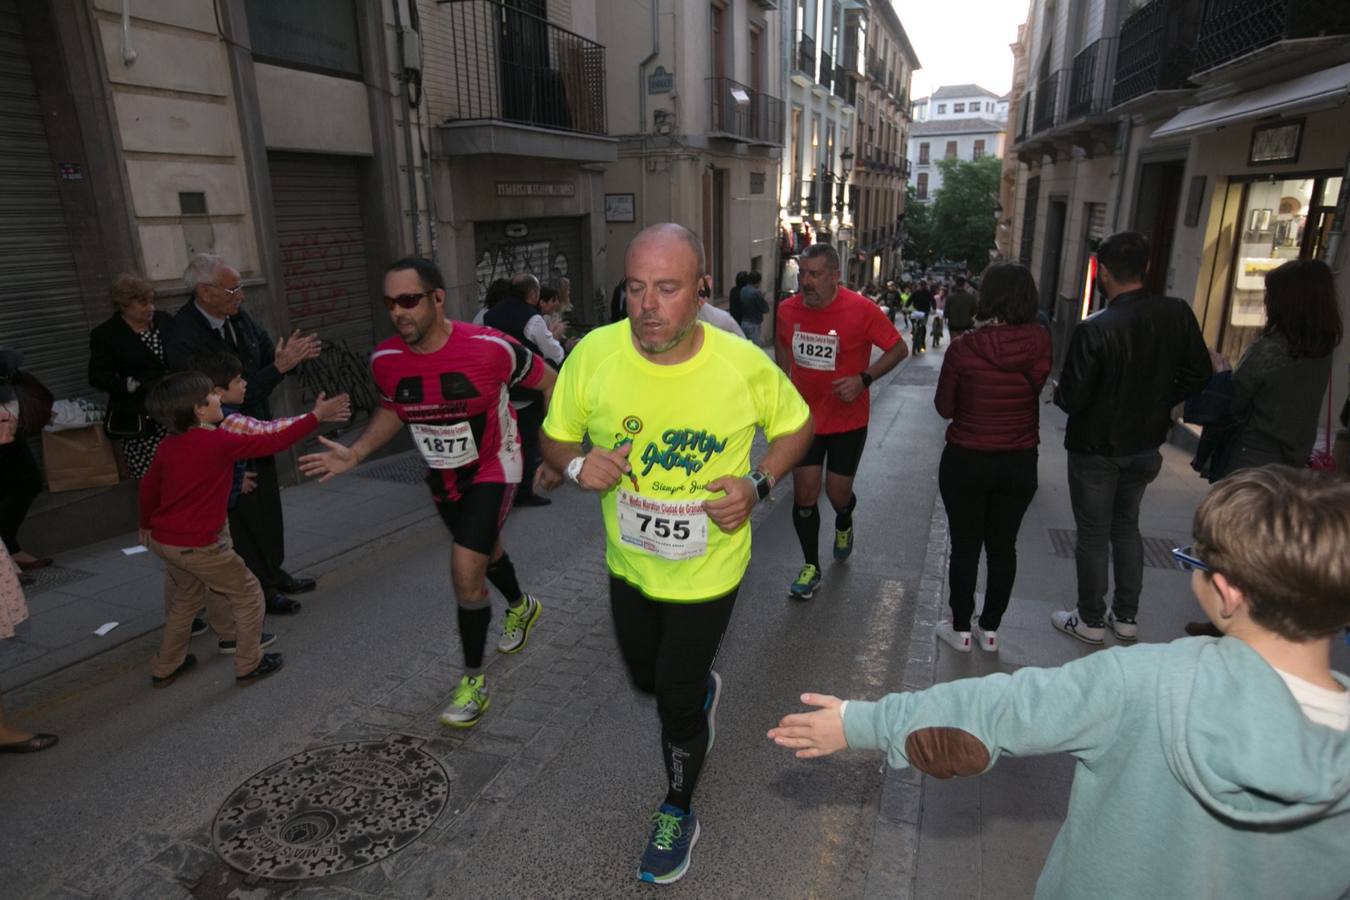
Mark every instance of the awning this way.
pixel 1320 90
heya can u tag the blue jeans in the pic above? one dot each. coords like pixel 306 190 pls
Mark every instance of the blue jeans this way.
pixel 1106 492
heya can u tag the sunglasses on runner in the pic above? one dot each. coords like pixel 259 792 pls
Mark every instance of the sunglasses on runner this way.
pixel 405 301
pixel 1186 557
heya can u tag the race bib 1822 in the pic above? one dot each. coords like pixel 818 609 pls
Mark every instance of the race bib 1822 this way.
pixel 815 351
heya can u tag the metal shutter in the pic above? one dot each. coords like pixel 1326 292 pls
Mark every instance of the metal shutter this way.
pixel 317 202
pixel 548 249
pixel 41 311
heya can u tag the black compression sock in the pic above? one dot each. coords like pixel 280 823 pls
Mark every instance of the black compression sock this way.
pixel 503 577
pixel 473 629
pixel 843 518
pixel 684 761
pixel 806 519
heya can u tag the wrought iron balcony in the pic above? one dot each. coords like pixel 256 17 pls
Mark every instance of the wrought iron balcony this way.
pixel 1047 96
pixel 826 77
pixel 509 65
pixel 1090 80
pixel 845 88
pixel 743 112
pixel 805 60
pixel 1233 28
pixel 1156 50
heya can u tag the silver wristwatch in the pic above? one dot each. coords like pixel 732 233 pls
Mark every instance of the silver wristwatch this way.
pixel 573 471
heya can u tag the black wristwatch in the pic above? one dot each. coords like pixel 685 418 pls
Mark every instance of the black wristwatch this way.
pixel 866 379
pixel 763 483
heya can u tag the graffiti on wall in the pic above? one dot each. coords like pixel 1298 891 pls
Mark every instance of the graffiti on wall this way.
pixel 339 369
pixel 316 272
pixel 507 258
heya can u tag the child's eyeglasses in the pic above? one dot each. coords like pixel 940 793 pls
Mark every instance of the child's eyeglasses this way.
pixel 405 301
pixel 1188 560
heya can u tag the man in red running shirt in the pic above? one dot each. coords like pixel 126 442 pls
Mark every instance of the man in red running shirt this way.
pixel 449 382
pixel 824 342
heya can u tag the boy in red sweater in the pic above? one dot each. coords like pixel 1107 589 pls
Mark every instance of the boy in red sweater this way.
pixel 182 520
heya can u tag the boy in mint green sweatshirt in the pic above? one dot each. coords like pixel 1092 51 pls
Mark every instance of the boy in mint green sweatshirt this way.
pixel 1206 767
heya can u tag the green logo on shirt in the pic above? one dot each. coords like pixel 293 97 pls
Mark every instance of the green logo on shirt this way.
pixel 684 448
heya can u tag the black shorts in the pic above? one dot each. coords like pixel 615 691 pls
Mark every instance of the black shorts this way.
pixel 475 519
pixel 839 452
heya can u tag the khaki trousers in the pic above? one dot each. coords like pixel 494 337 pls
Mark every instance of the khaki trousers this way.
pixel 191 575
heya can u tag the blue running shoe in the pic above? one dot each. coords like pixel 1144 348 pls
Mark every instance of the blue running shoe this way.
pixel 843 543
pixel 710 706
pixel 808 579
pixel 674 835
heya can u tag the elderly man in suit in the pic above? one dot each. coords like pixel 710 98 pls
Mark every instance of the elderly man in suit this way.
pixel 213 321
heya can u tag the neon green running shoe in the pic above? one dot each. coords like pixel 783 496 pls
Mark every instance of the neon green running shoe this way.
pixel 516 629
pixel 808 579
pixel 843 544
pixel 468 703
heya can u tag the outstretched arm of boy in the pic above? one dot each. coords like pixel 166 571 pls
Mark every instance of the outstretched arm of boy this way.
pixel 333 409
pixel 963 727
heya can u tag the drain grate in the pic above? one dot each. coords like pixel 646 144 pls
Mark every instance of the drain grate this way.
pixel 53 577
pixel 331 809
pixel 406 468
pixel 1157 551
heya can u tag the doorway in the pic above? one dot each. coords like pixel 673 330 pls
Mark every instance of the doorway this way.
pixel 1056 213
pixel 1155 216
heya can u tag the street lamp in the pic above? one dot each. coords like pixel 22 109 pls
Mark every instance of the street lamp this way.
pixel 998 211
pixel 845 163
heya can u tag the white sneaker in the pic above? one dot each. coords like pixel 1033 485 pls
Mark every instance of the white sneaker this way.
pixel 1125 630
pixel 1068 622
pixel 516 628
pixel 957 640
pixel 988 640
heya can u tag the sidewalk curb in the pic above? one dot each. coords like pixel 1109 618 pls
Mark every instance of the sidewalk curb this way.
pixel 895 837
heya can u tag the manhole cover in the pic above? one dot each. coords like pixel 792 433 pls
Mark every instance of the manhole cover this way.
pixel 1157 550
pixel 331 809
pixel 405 468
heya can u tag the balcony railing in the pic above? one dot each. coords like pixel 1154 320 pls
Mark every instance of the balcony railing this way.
pixel 509 65
pixel 1156 50
pixel 742 111
pixel 1234 28
pixel 805 60
pixel 826 77
pixel 1047 95
pixel 845 88
pixel 1090 81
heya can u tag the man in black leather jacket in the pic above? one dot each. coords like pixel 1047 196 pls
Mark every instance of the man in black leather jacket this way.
pixel 1125 369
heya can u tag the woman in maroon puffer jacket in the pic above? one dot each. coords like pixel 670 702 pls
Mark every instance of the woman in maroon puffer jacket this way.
pixel 990 388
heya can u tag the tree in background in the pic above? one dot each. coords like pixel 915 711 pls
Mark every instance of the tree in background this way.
pixel 962 212
pixel 920 247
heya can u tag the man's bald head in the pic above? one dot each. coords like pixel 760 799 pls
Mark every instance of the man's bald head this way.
pixel 667 231
pixel 525 287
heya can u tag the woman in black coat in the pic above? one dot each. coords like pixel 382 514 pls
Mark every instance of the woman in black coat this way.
pixel 126 358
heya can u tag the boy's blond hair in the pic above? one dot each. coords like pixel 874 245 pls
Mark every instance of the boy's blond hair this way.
pixel 1282 536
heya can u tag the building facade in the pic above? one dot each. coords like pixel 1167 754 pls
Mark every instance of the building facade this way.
pixel 1219 130
pixel 824 62
pixel 696 105
pixel 962 121
pixel 509 109
pixel 880 169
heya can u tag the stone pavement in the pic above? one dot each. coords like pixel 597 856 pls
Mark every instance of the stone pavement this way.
pixel 97 584
pixel 986 838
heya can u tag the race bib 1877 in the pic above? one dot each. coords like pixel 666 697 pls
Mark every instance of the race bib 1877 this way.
pixel 445 446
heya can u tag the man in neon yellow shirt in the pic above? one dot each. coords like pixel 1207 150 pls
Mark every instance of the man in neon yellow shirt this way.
pixel 670 407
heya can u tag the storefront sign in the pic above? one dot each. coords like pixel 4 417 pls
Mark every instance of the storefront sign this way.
pixel 71 172
pixel 660 81
pixel 1276 143
pixel 619 208
pixel 536 189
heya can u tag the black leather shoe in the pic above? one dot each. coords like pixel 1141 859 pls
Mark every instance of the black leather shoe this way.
pixel 532 500
pixel 188 662
pixel 281 605
pixel 198 626
pixel 293 585
pixel 270 665
pixel 32 745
